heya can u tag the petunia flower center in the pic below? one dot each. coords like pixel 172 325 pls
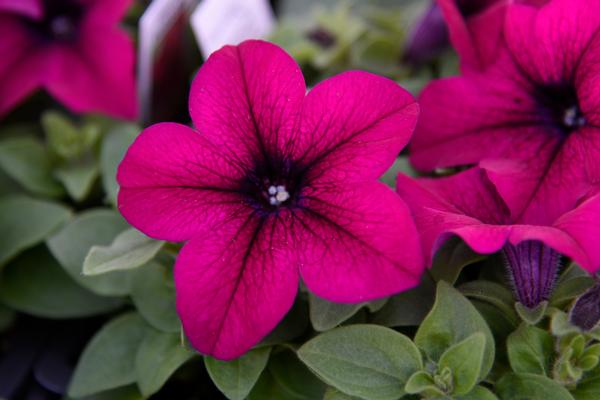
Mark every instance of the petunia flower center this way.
pixel 273 185
pixel 559 108
pixel 60 22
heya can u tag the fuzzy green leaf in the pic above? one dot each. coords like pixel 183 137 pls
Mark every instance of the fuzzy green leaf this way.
pixel 26 222
pixel 367 361
pixel 130 249
pixel 158 357
pixel 453 319
pixel 236 378
pixel 530 386
pixel 108 361
pixel 464 360
pixel 530 350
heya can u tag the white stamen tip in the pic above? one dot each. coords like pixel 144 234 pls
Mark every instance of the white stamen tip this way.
pixel 282 196
pixel 272 190
pixel 281 188
pixel 273 201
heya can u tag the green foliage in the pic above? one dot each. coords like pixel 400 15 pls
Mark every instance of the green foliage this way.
pixel 109 360
pixel 158 357
pixel 113 149
pixel 27 222
pixel 368 361
pixel 71 245
pixel 130 249
pixel 34 283
pixel 237 378
pixel 464 360
pixel 530 350
pixel 452 320
pixel 530 386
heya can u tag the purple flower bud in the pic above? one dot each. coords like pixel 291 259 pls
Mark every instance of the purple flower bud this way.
pixel 428 38
pixel 532 266
pixel 585 314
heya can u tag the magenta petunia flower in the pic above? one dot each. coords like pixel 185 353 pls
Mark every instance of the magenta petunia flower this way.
pixel 73 49
pixel 274 184
pixel 532 119
pixel 475 28
pixel 469 206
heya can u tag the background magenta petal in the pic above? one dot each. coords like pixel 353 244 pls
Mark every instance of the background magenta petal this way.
pixel 26 8
pixel 357 244
pixel 174 183
pixel 247 99
pixel 22 65
pixel 106 12
pixel 549 43
pixel 96 74
pixel 235 284
pixel 354 125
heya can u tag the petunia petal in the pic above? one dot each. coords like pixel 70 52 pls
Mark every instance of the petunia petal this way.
pixel 106 12
pixel 247 99
pixel 27 8
pixel 354 125
pixel 467 119
pixel 357 244
pixel 235 284
pixel 475 37
pixel 581 224
pixel 96 74
pixel 548 43
pixel 175 184
pixel 21 64
pixel 466 202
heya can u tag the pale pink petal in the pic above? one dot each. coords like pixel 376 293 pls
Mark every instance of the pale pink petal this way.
pixel 96 74
pixel 247 99
pixel 354 125
pixel 175 184
pixel 235 284
pixel 356 244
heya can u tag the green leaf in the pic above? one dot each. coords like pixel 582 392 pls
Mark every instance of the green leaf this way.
pixel 453 319
pixel 64 138
pixel 478 393
pixel 72 243
pixel 422 382
pixel 407 308
pixel 294 378
pixel 464 360
pixel 35 284
pixel 108 361
pixel 26 222
pixel 451 258
pixel 530 387
pixel 153 294
pixel 236 378
pixel 531 315
pixel 130 392
pixel 115 144
pixel 367 361
pixel 78 178
pixel 588 388
pixel 266 388
pixel 158 357
pixel 334 394
pixel 130 249
pixel 493 293
pixel 7 317
pixel 530 350
pixel 26 161
pixel 570 289
pixel 326 315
